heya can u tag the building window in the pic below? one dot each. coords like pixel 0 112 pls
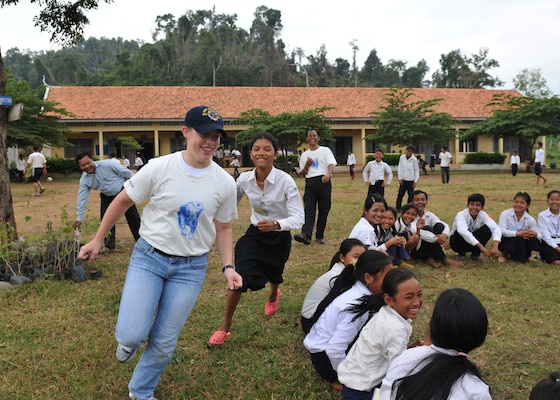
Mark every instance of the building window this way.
pixel 511 144
pixel 468 146
pixel 177 143
pixel 79 146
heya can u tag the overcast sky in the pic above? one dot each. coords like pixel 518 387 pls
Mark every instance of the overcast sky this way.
pixel 518 33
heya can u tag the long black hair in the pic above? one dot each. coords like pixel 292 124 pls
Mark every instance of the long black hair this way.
pixel 345 247
pixel 370 261
pixel 372 303
pixel 459 322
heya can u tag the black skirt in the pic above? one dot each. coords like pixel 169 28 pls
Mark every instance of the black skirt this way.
pixel 260 257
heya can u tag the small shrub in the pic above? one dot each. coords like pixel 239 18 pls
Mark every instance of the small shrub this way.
pixel 62 165
pixel 283 162
pixel 484 158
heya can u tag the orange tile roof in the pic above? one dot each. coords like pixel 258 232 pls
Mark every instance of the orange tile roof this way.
pixel 171 102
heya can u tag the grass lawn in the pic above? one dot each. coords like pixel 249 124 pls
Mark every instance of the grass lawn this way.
pixel 57 337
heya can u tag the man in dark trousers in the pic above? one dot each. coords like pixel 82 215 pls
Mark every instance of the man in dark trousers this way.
pixel 108 177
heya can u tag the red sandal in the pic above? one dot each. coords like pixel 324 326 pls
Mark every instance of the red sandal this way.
pixel 219 337
pixel 270 308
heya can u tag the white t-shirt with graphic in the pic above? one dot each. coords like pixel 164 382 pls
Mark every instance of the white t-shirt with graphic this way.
pixel 183 203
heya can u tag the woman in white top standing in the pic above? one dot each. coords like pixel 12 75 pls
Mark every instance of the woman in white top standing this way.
pixel 261 253
pixel 191 206
pixel 520 235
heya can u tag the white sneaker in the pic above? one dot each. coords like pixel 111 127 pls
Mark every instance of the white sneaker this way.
pixel 125 354
pixel 133 397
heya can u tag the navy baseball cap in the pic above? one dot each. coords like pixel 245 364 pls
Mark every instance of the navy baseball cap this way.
pixel 204 120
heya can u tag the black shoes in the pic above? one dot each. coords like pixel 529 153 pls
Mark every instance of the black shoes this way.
pixel 302 238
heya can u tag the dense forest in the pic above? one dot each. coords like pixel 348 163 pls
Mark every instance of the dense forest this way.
pixel 202 48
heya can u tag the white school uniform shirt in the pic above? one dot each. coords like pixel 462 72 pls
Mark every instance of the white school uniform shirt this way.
pixel 510 225
pixel 351 160
pixel 36 160
pixel 549 227
pixel 377 172
pixel 365 233
pixel 468 387
pixel 319 290
pixel 279 201
pixel 334 330
pixel 514 159
pixel 383 338
pixel 539 156
pixel 445 159
pixel 465 225
pixel 431 219
pixel 322 157
pixel 408 168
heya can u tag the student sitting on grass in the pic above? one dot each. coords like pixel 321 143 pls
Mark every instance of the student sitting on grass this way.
pixel 383 337
pixel 547 389
pixel 472 229
pixel 341 315
pixel 443 369
pixel 350 250
pixel 520 235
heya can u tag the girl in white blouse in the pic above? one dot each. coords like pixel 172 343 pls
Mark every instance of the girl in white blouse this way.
pixel 520 235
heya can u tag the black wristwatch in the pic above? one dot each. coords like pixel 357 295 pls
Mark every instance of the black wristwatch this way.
pixel 228 266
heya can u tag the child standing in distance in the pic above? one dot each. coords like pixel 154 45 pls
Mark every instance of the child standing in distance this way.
pixel 339 317
pixel 394 243
pixel 351 162
pixel 384 337
pixel 547 389
pixel 514 163
pixel 549 228
pixel 520 235
pixel 442 370
pixel 377 174
pixel 368 229
pixel 472 229
pixel 350 250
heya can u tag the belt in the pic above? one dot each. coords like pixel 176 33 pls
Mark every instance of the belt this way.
pixel 163 253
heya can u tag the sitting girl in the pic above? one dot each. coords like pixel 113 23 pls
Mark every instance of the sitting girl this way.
pixel 520 234
pixel 408 228
pixel 394 243
pixel 341 315
pixel 443 370
pixel 368 228
pixel 350 250
pixel 384 337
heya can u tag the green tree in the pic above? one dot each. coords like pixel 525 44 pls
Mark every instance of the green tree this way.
pixel 65 21
pixel 38 124
pixel 524 118
pixel 289 128
pixel 531 83
pixel 459 70
pixel 403 122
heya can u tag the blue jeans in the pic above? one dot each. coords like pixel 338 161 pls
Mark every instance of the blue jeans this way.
pixel 158 296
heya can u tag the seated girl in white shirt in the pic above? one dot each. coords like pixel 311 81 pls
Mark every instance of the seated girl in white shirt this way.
pixel 337 325
pixel 443 370
pixel 520 234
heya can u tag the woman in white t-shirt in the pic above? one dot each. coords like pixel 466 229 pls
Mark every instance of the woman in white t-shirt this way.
pixel 191 206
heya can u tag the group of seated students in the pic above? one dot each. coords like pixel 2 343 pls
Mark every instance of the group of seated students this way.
pixel 357 316
pixel 357 322
pixel 419 234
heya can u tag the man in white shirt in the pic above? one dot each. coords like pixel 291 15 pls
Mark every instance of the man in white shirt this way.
pixel 445 158
pixel 409 174
pixel 539 162
pixel 351 162
pixel 514 161
pixel 377 174
pixel 317 166
pixel 38 165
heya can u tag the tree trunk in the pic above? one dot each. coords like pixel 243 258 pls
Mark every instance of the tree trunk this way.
pixel 8 229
